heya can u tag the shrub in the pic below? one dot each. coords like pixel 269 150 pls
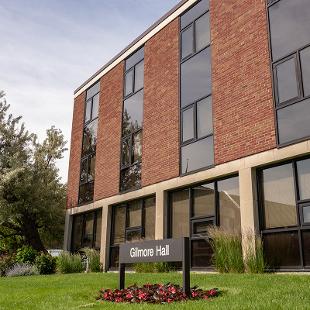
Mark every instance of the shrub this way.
pixel 6 261
pixel 26 254
pixel 153 267
pixel 69 263
pixel 227 250
pixel 255 259
pixel 46 264
pixel 93 257
pixel 22 269
pixel 155 294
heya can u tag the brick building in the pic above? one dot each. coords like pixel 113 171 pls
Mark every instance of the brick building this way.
pixel 203 120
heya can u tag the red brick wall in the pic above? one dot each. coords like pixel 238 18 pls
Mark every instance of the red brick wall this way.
pixel 75 151
pixel 160 153
pixel 109 134
pixel 241 79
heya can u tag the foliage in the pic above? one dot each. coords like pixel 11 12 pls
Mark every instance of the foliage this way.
pixel 22 269
pixel 6 261
pixel 32 197
pixel 227 250
pixel 46 264
pixel 69 263
pixel 255 260
pixel 93 257
pixel 26 254
pixel 154 294
pixel 153 267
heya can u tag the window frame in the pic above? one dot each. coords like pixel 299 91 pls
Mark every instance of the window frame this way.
pixel 195 219
pixel 194 104
pixel 130 136
pixel 88 156
pixel 299 203
pixel 84 215
pixel 299 79
pixel 127 229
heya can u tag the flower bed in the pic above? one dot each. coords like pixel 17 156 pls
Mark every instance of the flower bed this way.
pixel 155 294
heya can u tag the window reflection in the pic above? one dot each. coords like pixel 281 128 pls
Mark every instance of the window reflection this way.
pixel 131 177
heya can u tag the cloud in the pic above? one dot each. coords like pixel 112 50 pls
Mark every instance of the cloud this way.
pixel 48 48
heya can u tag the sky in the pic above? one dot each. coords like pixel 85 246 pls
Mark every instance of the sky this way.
pixel 50 47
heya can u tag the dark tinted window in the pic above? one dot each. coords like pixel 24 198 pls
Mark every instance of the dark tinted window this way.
pixel 287 87
pixel 289 26
pixel 90 138
pixel 279 197
pixel 194 12
pixel 180 214
pixel 88 230
pixel 294 121
pixel 134 213
pixel 86 193
pixel 196 77
pixel 133 113
pixel 306 247
pixel 201 253
pixel 131 177
pixel 204 117
pixel 139 76
pixel 303 169
pixel 126 152
pixel 229 201
pixel 197 155
pixel 188 124
pixel 282 249
pixel 204 200
pixel 92 91
pixel 137 146
pixel 305 68
pixel 119 225
pixel 135 58
pixel 129 82
pixel 77 232
pixel 150 216
pixel 187 42
pixel 202 32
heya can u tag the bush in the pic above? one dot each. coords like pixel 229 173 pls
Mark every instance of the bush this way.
pixel 153 267
pixel 255 259
pixel 26 254
pixel 6 261
pixel 69 263
pixel 22 269
pixel 46 264
pixel 155 294
pixel 93 257
pixel 227 250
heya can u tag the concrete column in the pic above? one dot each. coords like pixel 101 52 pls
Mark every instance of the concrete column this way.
pixel 105 236
pixel 68 231
pixel 161 197
pixel 248 206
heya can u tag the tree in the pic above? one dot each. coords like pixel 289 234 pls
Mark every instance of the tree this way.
pixel 32 197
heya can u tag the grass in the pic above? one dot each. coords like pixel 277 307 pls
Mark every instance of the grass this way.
pixel 78 291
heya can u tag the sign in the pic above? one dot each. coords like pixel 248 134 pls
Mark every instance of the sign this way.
pixel 167 250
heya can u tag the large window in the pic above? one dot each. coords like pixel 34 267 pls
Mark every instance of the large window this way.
pixel 88 157
pixel 131 222
pixel 196 100
pixel 285 214
pixel 132 122
pixel 192 210
pixel 86 231
pixel 290 44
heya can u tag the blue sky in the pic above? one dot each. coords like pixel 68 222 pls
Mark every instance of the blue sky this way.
pixel 49 47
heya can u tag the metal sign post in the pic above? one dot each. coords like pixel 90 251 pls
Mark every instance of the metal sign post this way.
pixel 167 250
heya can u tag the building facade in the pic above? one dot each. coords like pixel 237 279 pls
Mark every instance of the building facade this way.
pixel 203 120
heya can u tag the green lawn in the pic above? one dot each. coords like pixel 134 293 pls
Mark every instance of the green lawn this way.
pixel 78 291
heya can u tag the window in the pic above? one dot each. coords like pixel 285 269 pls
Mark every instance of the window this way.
pixel 285 214
pixel 196 102
pixel 290 39
pixel 88 156
pixel 131 222
pixel 192 210
pixel 132 122
pixel 86 231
